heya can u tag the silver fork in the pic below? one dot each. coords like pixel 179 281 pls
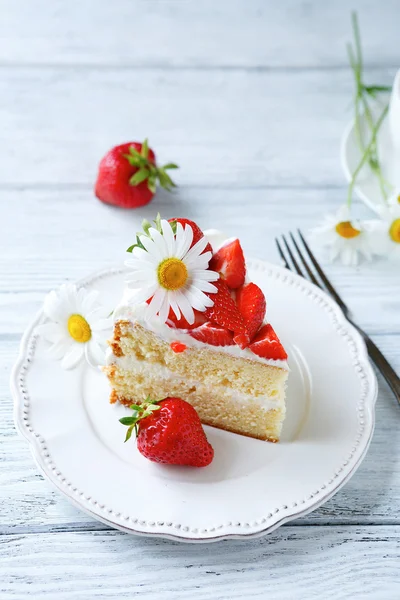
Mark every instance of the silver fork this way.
pixel 292 263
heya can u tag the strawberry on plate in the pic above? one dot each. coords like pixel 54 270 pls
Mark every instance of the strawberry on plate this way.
pixel 224 312
pixel 169 431
pixel 252 305
pixel 213 334
pixel 229 262
pixel 128 175
pixel 197 232
pixel 267 344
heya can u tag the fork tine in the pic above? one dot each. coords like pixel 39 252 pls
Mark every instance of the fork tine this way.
pixel 292 258
pixel 305 263
pixel 283 257
pixel 321 273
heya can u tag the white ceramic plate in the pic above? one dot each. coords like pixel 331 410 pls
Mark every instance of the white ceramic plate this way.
pixel 367 186
pixel 251 487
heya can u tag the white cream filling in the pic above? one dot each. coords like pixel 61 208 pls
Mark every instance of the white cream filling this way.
pixel 146 368
pixel 128 311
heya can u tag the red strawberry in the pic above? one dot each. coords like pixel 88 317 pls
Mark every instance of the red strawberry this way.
pixel 169 432
pixel 181 323
pixel 267 344
pixel 212 334
pixel 229 262
pixel 224 312
pixel 251 303
pixel 178 347
pixel 197 232
pixel 128 174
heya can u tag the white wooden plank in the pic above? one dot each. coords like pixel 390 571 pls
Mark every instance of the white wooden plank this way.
pixel 176 33
pixel 222 127
pixel 49 236
pixel 31 504
pixel 292 563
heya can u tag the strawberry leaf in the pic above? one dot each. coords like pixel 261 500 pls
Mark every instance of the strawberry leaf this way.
pixel 170 166
pixel 128 420
pixel 139 412
pixel 145 149
pixel 129 432
pixel 151 183
pixel 139 176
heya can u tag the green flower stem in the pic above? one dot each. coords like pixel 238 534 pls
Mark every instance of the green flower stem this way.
pixel 361 96
pixel 365 155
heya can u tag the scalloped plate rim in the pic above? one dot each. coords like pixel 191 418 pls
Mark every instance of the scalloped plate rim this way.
pixel 32 438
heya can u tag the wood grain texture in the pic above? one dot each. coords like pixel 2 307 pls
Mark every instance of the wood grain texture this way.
pixel 323 562
pixel 250 98
pixel 247 34
pixel 232 128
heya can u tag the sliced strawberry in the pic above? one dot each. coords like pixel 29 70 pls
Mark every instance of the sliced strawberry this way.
pixel 267 344
pixel 224 312
pixel 181 323
pixel 212 334
pixel 229 262
pixel 197 232
pixel 251 303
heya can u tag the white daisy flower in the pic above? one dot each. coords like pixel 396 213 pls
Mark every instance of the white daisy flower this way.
pixel 76 327
pixel 387 231
pixel 170 272
pixel 346 239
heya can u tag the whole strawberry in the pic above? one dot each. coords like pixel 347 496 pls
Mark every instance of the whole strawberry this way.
pixel 169 431
pixel 128 175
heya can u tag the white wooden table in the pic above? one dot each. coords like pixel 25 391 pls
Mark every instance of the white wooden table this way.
pixel 250 98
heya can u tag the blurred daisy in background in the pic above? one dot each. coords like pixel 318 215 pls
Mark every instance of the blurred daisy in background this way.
pixel 345 238
pixel 386 231
pixel 77 327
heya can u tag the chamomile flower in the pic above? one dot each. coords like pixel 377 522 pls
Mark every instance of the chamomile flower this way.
pixel 76 327
pixel 387 230
pixel 344 238
pixel 169 270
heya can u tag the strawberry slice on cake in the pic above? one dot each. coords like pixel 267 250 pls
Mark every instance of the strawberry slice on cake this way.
pixel 192 325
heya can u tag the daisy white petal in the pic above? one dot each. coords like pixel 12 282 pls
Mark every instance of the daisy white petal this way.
pixel 102 324
pixel 193 295
pixel 198 248
pixel 173 304
pixel 89 301
pixel 59 349
pixel 143 294
pixel 53 308
pixel 179 239
pixel 94 354
pixel 204 286
pixel 186 242
pixel 185 308
pixel 168 237
pixel 155 304
pixel 164 310
pixel 52 332
pixel 73 356
pixel 153 250
pixel 206 300
pixel 205 275
pixel 159 247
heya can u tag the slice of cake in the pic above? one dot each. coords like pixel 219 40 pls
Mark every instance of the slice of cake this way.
pixel 190 325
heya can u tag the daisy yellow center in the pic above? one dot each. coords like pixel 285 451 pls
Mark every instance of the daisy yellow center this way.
pixel 79 328
pixel 394 231
pixel 346 230
pixel 172 274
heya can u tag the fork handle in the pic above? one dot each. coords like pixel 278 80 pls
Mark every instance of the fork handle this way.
pixel 381 363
